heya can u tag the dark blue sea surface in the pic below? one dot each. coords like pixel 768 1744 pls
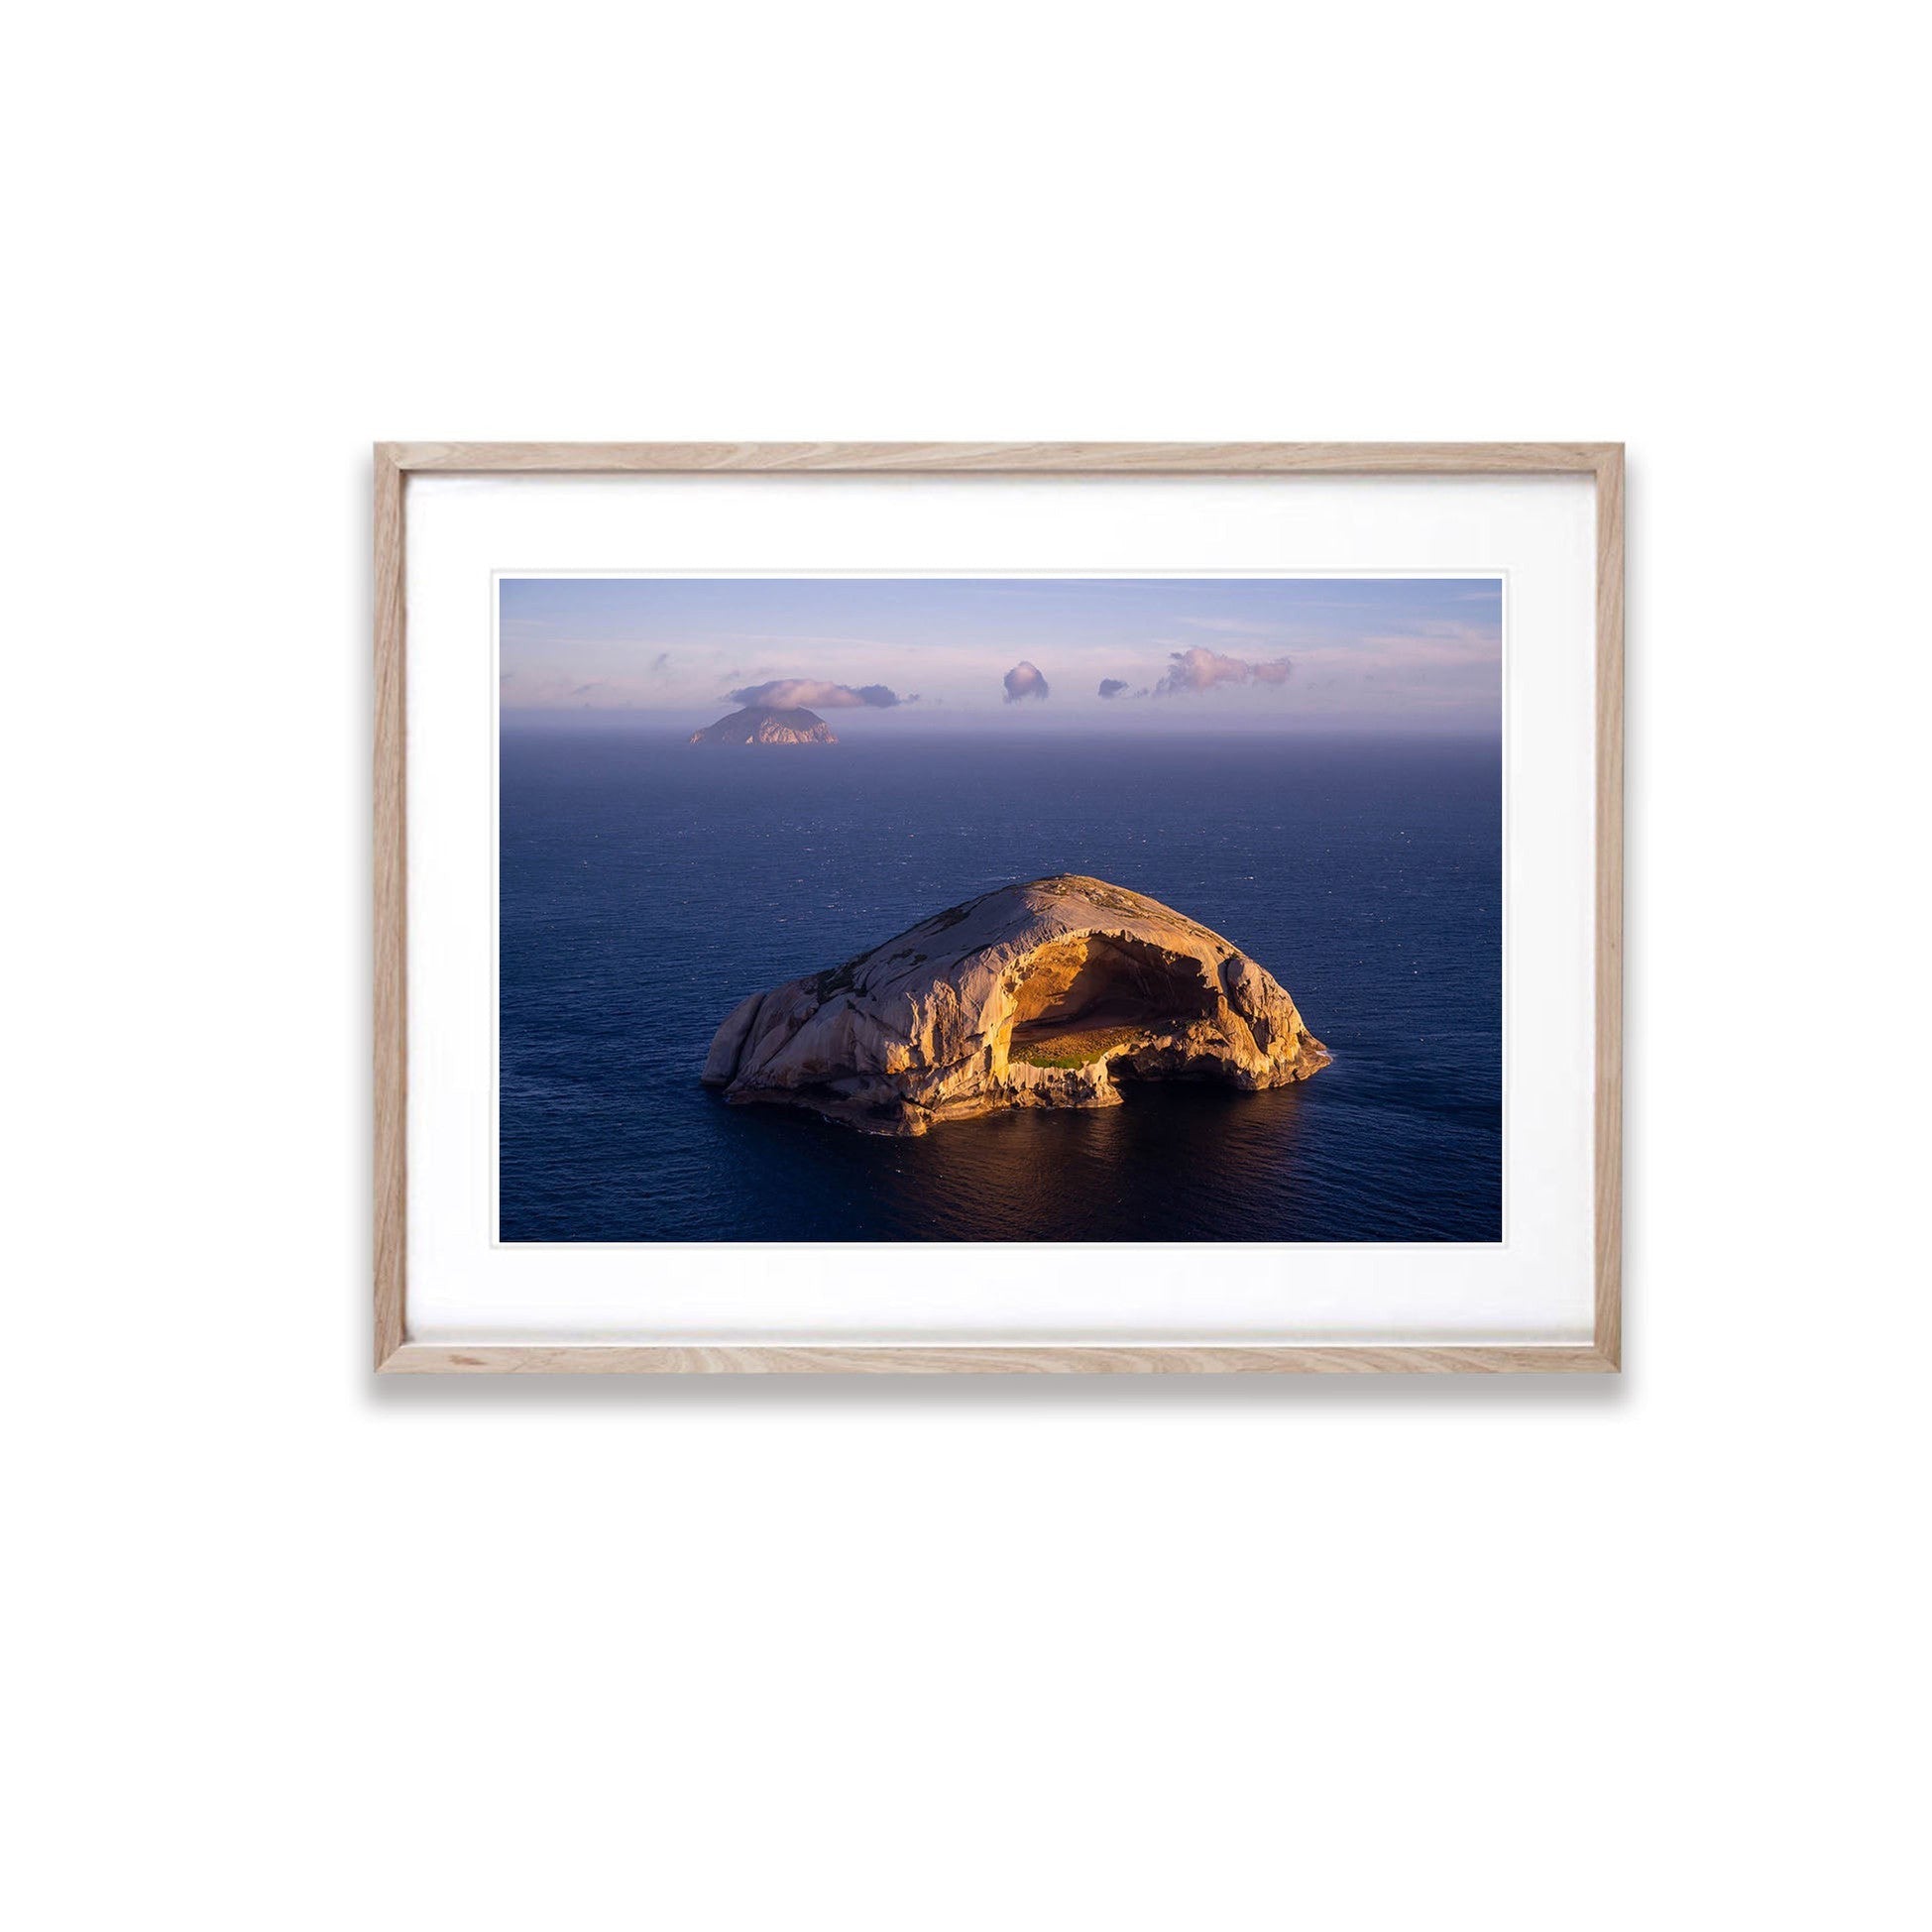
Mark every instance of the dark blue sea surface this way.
pixel 648 885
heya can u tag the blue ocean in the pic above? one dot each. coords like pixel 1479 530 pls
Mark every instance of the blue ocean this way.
pixel 648 885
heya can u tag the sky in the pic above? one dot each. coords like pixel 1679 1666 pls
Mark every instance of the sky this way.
pixel 877 653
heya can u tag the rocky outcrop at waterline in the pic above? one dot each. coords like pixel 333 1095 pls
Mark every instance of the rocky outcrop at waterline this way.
pixel 762 725
pixel 1045 995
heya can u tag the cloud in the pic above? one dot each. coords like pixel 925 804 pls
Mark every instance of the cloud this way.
pixel 1024 681
pixel 1201 671
pixel 783 694
pixel 1112 687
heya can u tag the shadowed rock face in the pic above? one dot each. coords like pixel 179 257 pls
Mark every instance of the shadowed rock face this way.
pixel 1037 995
pixel 761 724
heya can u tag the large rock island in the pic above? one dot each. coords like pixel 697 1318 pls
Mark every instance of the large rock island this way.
pixel 762 725
pixel 1037 995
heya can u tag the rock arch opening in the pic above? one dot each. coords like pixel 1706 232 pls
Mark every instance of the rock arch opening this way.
pixel 1084 999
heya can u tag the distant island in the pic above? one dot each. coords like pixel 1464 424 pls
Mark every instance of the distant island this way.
pixel 1043 994
pixel 762 725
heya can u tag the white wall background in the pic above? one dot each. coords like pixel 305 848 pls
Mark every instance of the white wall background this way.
pixel 292 1649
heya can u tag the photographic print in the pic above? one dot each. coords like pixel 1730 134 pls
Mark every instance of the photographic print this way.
pixel 999 908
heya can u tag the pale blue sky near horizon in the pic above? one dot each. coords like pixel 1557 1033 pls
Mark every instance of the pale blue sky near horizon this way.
pixel 1408 652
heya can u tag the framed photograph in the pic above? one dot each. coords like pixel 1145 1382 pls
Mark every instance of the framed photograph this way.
pixel 998 907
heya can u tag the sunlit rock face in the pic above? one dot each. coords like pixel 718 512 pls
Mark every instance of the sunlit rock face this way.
pixel 761 724
pixel 1038 996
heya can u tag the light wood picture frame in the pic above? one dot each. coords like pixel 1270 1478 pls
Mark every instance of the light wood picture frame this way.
pixel 396 462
